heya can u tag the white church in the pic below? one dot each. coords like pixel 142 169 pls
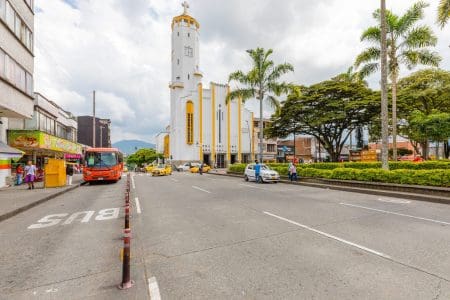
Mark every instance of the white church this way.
pixel 203 127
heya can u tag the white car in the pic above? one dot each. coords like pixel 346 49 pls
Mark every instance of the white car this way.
pixel 184 167
pixel 266 174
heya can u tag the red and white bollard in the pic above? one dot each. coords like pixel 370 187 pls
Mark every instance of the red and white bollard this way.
pixel 126 276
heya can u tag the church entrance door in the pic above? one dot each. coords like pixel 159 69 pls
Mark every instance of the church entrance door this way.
pixel 206 159
pixel 220 161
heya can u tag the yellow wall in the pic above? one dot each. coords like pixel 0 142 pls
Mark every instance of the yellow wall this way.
pixel 213 123
pixel 200 120
pixel 189 123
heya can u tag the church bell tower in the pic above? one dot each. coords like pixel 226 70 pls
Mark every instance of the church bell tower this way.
pixel 185 78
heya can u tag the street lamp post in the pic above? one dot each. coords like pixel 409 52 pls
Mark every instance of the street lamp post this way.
pixel 93 119
pixel 101 136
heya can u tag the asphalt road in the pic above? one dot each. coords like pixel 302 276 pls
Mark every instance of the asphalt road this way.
pixel 215 237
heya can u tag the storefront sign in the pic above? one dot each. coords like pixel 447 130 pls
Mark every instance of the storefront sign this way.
pixel 30 139
pixel 72 156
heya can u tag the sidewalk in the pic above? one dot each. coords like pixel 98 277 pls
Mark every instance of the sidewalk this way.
pixel 16 199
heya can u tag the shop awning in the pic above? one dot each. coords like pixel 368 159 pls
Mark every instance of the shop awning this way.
pixel 9 152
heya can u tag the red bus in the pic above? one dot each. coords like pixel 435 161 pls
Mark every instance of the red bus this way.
pixel 103 164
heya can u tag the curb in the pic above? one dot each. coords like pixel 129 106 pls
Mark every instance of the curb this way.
pixel 40 201
pixel 380 192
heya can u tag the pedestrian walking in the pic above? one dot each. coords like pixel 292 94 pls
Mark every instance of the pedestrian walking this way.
pixel 30 174
pixel 19 174
pixel 257 171
pixel 200 169
pixel 69 174
pixel 293 172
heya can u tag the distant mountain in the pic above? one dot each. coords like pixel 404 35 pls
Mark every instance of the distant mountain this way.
pixel 130 146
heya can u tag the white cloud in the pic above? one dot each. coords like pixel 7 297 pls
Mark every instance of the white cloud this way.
pixel 122 49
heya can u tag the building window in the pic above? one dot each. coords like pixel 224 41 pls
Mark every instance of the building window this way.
pixel 189 76
pixel 15 74
pixel 9 68
pixel 9 17
pixel 2 62
pixel 16 24
pixel 2 9
pixel 188 51
pixel 270 148
pixel 189 35
pixel 178 33
pixel 189 123
pixel 178 61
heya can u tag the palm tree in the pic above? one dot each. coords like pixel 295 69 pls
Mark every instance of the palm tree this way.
pixel 261 82
pixel 406 44
pixel 383 83
pixel 443 13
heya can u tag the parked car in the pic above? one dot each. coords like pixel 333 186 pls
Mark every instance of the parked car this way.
pixel 162 170
pixel 266 174
pixel 196 166
pixel 184 167
pixel 149 168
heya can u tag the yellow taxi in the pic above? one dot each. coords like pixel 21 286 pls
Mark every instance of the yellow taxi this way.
pixel 162 170
pixel 195 168
pixel 149 168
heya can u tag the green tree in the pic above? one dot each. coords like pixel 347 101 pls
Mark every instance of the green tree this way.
pixel 260 82
pixel 443 13
pixel 356 77
pixel 328 111
pixel 422 128
pixel 438 127
pixel 426 91
pixel 143 156
pixel 407 43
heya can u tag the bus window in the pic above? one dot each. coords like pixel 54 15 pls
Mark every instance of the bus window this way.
pixel 101 159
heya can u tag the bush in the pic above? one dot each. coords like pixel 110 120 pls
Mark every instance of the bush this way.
pixel 426 165
pixel 402 175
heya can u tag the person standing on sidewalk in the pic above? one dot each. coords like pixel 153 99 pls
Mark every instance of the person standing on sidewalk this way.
pixel 30 174
pixel 69 174
pixel 200 169
pixel 19 174
pixel 289 171
pixel 257 171
pixel 293 172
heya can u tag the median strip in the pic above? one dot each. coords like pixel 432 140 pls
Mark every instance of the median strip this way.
pixel 395 213
pixel 329 236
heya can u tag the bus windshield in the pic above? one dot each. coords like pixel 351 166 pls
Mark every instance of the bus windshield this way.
pixel 101 159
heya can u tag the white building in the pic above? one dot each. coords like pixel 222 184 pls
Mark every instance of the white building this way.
pixel 203 127
pixel 16 72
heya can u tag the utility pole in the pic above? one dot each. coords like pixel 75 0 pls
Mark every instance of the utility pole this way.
pixel 384 100
pixel 93 119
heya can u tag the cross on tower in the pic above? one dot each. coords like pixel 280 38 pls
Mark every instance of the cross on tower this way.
pixel 186 6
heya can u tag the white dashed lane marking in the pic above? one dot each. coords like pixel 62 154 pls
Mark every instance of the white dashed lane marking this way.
pixel 395 213
pixel 329 236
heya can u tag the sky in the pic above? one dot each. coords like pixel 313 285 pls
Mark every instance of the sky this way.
pixel 121 49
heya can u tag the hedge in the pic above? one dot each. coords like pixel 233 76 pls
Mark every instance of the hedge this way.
pixel 438 177
pixel 426 165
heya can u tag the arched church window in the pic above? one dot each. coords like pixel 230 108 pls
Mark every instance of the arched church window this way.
pixel 189 123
